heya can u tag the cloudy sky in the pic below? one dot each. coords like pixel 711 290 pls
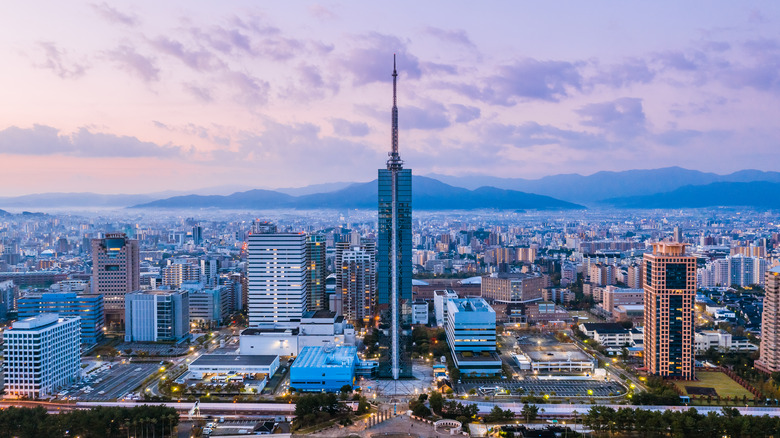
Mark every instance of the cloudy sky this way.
pixel 146 96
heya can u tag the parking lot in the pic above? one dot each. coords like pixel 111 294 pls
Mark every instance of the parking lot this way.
pixel 109 384
pixel 539 387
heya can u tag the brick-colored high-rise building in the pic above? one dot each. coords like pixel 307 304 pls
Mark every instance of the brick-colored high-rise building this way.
pixel 770 325
pixel 115 273
pixel 670 289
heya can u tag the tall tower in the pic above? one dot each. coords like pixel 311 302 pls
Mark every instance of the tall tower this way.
pixel 278 277
pixel 115 273
pixel 394 259
pixel 670 289
pixel 769 361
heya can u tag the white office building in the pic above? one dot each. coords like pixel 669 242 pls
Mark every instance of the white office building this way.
pixel 42 355
pixel 440 298
pixel 277 278
pixel 420 312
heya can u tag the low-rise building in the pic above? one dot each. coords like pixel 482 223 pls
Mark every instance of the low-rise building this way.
pixel 722 341
pixel 440 298
pixel 419 312
pixel 316 328
pixel 513 287
pixel 234 364
pixel 327 368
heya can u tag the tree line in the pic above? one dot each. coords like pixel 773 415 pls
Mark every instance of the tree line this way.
pixel 99 422
pixel 689 423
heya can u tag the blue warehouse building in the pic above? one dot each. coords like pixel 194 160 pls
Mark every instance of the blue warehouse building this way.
pixel 326 368
pixel 88 307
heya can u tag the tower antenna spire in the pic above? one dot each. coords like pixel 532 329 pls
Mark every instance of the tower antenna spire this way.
pixel 395 159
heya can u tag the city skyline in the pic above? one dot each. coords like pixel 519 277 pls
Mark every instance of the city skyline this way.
pixel 134 98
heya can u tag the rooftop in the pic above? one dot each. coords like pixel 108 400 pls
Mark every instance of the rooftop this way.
pixel 260 331
pixel 602 326
pixel 38 321
pixel 482 356
pixel 319 314
pixel 329 356
pixel 471 305
pixel 237 359
pixel 557 353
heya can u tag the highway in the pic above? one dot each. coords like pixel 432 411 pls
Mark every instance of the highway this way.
pixel 567 410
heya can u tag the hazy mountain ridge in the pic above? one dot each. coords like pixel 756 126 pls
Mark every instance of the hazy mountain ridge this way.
pixel 427 194
pixel 758 194
pixel 602 188
pixel 607 185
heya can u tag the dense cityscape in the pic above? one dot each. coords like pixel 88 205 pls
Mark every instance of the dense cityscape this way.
pixel 640 302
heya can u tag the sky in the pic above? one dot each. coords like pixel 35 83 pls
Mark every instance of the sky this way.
pixel 149 96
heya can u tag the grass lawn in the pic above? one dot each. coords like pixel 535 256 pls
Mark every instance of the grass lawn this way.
pixel 723 384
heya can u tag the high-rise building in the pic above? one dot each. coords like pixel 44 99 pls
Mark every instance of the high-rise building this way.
pixel 178 272
pixel 670 288
pixel 88 307
pixel 278 280
pixel 115 273
pixel 356 280
pixel 394 259
pixel 677 235
pixel 197 235
pixel 157 316
pixel 41 355
pixel 769 361
pixel 315 253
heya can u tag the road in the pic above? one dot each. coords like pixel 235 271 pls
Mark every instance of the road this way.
pixel 567 410
pixel 617 373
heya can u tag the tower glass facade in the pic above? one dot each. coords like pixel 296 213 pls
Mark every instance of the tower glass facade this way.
pixel 394 260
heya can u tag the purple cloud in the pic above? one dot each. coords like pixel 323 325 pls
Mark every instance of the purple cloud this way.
pixel 458 37
pixel 527 79
pixel 113 15
pixel 631 71
pixel 135 63
pixel 464 113
pixel 199 60
pixel 623 117
pixel 432 116
pixel 56 60
pixel 372 61
pixel 250 91
pixel 434 69
pixel 201 93
pixel 46 140
pixel 346 128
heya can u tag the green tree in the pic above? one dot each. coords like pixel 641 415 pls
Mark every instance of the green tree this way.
pixel 437 402
pixel 529 412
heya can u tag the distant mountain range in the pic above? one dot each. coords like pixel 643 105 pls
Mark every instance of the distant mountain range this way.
pixel 606 185
pixel 675 186
pixel 427 194
pixel 757 194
